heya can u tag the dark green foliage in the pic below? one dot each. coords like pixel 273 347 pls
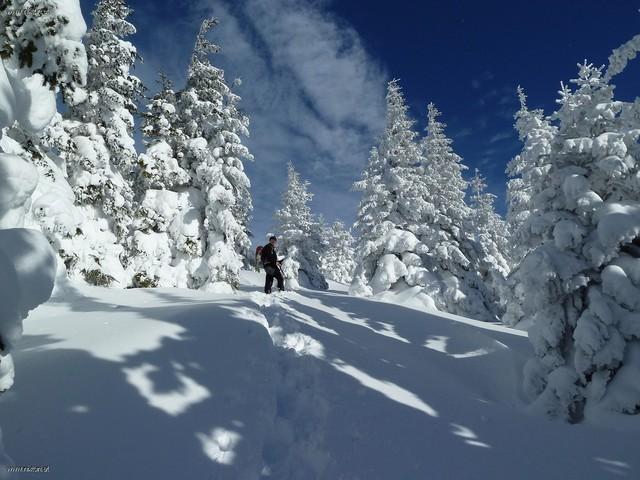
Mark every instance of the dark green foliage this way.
pixel 97 278
pixel 142 280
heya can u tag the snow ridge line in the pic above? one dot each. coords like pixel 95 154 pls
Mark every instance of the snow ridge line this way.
pixel 294 447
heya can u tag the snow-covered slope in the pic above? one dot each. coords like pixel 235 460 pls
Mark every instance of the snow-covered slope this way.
pixel 165 384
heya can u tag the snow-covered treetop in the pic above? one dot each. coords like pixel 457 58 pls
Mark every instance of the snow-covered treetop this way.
pixel 477 185
pixel 160 120
pixel 110 15
pixel 295 214
pixel 435 128
pixel 485 219
pixel 576 281
pixel 400 159
pixel 207 79
pixel 398 144
pixel 621 56
pixel 210 118
pixel 443 169
pixel 110 57
pixel 527 121
pixel 204 47
pixel 439 147
pixel 527 169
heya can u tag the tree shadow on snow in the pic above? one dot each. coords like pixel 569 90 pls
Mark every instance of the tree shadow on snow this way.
pixel 183 409
pixel 414 393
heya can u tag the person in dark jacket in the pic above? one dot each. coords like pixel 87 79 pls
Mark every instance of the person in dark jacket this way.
pixel 269 257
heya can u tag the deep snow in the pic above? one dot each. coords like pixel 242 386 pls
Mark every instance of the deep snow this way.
pixel 165 384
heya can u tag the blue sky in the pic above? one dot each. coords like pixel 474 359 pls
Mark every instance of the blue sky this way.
pixel 314 75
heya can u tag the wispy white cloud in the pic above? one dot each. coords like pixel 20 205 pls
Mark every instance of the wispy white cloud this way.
pixel 501 136
pixel 482 121
pixel 508 99
pixel 315 96
pixel 326 58
pixel 481 79
pixel 508 113
pixel 462 133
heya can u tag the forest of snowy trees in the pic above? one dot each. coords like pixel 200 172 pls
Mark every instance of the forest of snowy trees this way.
pixel 73 184
pixel 416 229
pixel 564 263
pixel 175 214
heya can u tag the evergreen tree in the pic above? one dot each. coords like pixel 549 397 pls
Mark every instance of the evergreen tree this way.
pixel 97 253
pixel 491 240
pixel 579 281
pixel 100 155
pixel 537 133
pixel 300 235
pixel 451 250
pixel 213 154
pixel 156 259
pixel 236 125
pixel 338 259
pixel 529 172
pixel 375 204
pixel 106 115
pixel 159 167
pixel 392 203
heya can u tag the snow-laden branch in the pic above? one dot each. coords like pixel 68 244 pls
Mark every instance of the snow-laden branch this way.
pixel 621 56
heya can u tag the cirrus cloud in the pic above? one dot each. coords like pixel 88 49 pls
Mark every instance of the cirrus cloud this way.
pixel 315 96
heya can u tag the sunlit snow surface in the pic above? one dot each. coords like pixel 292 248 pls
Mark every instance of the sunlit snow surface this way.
pixel 169 384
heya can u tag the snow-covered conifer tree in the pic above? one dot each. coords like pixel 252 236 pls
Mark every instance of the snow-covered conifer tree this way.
pixel 392 205
pixel 529 172
pixel 300 235
pixel 580 284
pixel 375 202
pixel 105 118
pixel 101 160
pixel 412 218
pixel 112 91
pixel 236 125
pixel 213 153
pixel 537 133
pixel 156 257
pixel 454 285
pixel 491 240
pixel 338 259
pixel 159 165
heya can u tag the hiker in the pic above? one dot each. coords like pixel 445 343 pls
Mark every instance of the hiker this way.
pixel 258 257
pixel 269 256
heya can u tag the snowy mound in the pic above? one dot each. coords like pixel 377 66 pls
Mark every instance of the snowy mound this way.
pixel 27 273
